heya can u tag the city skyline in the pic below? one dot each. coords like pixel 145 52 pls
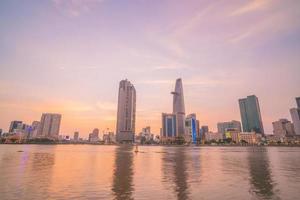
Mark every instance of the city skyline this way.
pixel 67 57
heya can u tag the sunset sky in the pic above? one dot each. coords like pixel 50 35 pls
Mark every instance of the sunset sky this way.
pixel 68 56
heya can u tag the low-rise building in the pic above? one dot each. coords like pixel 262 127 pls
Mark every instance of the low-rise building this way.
pixel 213 136
pixel 250 138
pixel 223 127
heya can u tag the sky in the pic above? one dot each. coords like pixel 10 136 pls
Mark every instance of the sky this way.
pixel 68 56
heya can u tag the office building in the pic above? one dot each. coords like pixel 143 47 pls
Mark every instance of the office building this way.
pixel 283 127
pixel 250 114
pixel 94 136
pixel 210 136
pixel 191 128
pixel 298 102
pixel 179 108
pixel 146 134
pixel 125 130
pixel 49 125
pixel 109 138
pixel 232 125
pixel 204 129
pixel 295 114
pixel 35 127
pixel 169 128
pixel 76 136
pixel 15 125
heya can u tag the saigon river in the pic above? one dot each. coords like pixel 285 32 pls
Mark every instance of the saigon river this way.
pixel 155 172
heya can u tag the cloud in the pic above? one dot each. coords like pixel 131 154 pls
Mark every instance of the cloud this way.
pixel 63 68
pixel 107 106
pixel 74 8
pixel 189 82
pixel 152 82
pixel 170 67
pixel 252 6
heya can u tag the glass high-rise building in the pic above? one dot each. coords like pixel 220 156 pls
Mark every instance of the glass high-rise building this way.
pixel 298 102
pixel 250 114
pixel 125 130
pixel 295 114
pixel 178 107
pixel 169 128
pixel 14 125
pixel 191 127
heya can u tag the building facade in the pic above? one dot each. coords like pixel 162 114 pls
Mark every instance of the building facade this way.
pixel 250 114
pixel 94 136
pixel 283 127
pixel 179 108
pixel 209 136
pixel 35 126
pixel 125 130
pixel 295 114
pixel 169 127
pixel 298 102
pixel 191 128
pixel 76 136
pixel 232 125
pixel 15 125
pixel 49 125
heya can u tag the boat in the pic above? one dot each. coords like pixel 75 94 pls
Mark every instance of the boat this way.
pixel 136 149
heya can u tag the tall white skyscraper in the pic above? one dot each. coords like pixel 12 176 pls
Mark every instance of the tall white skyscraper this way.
pixel 295 114
pixel 178 107
pixel 125 130
pixel 49 125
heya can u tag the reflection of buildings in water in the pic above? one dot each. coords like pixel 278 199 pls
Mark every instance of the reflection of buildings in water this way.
pixel 260 173
pixel 42 168
pixel 123 173
pixel 175 171
pixel 42 161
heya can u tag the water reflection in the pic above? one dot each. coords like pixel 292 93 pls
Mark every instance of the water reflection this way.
pixel 123 173
pixel 260 173
pixel 175 171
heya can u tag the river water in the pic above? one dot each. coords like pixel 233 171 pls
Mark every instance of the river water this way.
pixel 155 172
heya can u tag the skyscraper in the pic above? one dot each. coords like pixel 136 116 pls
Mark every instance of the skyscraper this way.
pixel 298 102
pixel 14 125
pixel 125 130
pixel 178 107
pixel 49 125
pixel 191 128
pixel 169 128
pixel 35 127
pixel 295 114
pixel 250 114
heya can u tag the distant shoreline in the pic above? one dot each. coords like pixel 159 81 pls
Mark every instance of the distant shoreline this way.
pixel 162 145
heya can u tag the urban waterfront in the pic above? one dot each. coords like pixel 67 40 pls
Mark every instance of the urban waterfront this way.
pixel 155 172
